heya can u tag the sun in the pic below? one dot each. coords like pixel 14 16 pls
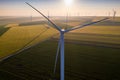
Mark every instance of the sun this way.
pixel 68 2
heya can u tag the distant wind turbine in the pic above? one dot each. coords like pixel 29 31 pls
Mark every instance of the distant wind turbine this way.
pixel 61 39
pixel 108 14
pixel 48 15
pixel 31 17
pixel 67 15
pixel 114 14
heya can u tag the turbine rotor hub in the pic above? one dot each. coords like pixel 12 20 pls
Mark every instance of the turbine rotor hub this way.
pixel 62 29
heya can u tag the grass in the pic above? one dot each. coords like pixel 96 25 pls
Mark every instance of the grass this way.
pixel 8 76
pixel 81 62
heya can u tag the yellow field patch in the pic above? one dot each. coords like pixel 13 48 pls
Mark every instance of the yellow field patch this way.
pixel 12 25
pixel 17 37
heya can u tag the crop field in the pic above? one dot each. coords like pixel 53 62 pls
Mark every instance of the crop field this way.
pixel 91 53
pixel 21 36
pixel 102 34
pixel 82 62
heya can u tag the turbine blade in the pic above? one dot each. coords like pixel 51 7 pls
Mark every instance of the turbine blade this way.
pixel 56 58
pixel 55 26
pixel 77 27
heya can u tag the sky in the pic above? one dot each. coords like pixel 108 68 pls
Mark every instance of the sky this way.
pixel 59 7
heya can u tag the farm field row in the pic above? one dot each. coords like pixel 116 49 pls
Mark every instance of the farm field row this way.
pixel 113 30
pixel 104 35
pixel 94 38
pixel 81 62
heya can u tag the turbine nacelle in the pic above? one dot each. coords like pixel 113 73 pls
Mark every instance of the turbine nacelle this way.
pixel 62 30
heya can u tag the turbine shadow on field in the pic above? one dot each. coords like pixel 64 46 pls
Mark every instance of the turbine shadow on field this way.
pixel 3 30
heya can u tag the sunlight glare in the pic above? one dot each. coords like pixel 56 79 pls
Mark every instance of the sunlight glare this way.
pixel 68 2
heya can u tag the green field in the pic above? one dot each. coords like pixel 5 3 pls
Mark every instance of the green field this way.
pixel 81 62
pixel 91 53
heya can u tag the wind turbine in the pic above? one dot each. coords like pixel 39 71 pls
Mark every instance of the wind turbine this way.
pixel 114 14
pixel 31 17
pixel 61 40
pixel 48 15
